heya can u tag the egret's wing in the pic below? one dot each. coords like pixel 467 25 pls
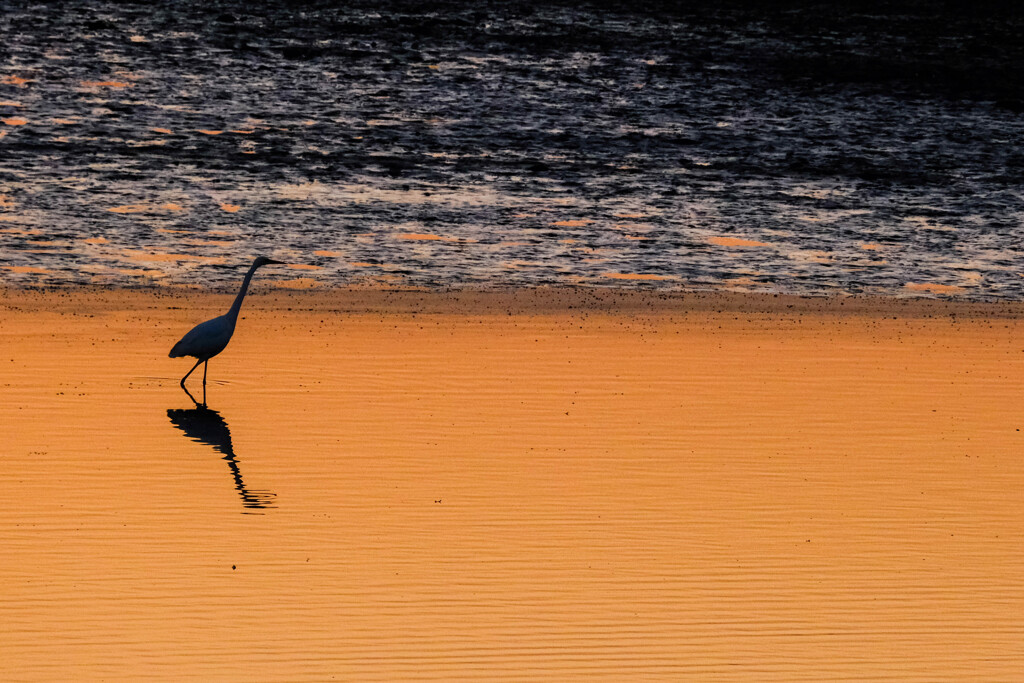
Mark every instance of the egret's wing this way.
pixel 205 339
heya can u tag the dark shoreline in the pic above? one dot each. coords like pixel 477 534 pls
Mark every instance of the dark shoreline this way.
pixel 503 301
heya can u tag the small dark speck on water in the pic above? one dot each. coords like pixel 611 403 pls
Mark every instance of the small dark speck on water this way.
pixel 232 567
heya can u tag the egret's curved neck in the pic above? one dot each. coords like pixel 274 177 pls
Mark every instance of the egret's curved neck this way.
pixel 237 306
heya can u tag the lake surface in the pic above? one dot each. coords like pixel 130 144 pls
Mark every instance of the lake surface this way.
pixel 414 144
pixel 399 496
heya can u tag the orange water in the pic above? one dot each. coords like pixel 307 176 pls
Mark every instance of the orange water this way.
pixel 666 496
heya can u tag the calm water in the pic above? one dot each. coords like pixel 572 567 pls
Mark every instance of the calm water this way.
pixel 619 498
pixel 417 145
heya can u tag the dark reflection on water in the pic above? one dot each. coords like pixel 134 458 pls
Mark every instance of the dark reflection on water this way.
pixel 206 425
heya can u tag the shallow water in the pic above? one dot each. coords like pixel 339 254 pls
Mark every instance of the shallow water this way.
pixel 439 497
pixel 407 144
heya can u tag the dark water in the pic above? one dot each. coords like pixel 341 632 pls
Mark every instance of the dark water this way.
pixel 808 150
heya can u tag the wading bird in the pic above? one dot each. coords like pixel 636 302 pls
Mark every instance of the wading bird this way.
pixel 206 340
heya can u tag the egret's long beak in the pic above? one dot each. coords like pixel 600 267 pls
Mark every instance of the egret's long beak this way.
pixel 271 261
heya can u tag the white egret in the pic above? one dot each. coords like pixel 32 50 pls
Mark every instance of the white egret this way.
pixel 206 340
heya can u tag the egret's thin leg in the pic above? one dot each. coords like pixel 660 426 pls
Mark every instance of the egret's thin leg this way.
pixel 189 373
pixel 205 366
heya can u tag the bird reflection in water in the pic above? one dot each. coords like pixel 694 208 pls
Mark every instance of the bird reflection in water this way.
pixel 205 425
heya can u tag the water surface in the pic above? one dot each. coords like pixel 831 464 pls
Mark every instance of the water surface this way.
pixel 461 497
pixel 397 143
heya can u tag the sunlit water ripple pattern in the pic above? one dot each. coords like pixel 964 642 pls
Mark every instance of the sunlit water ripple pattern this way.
pixel 399 144
pixel 547 498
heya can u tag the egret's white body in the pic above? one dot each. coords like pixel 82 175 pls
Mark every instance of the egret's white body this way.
pixel 207 339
